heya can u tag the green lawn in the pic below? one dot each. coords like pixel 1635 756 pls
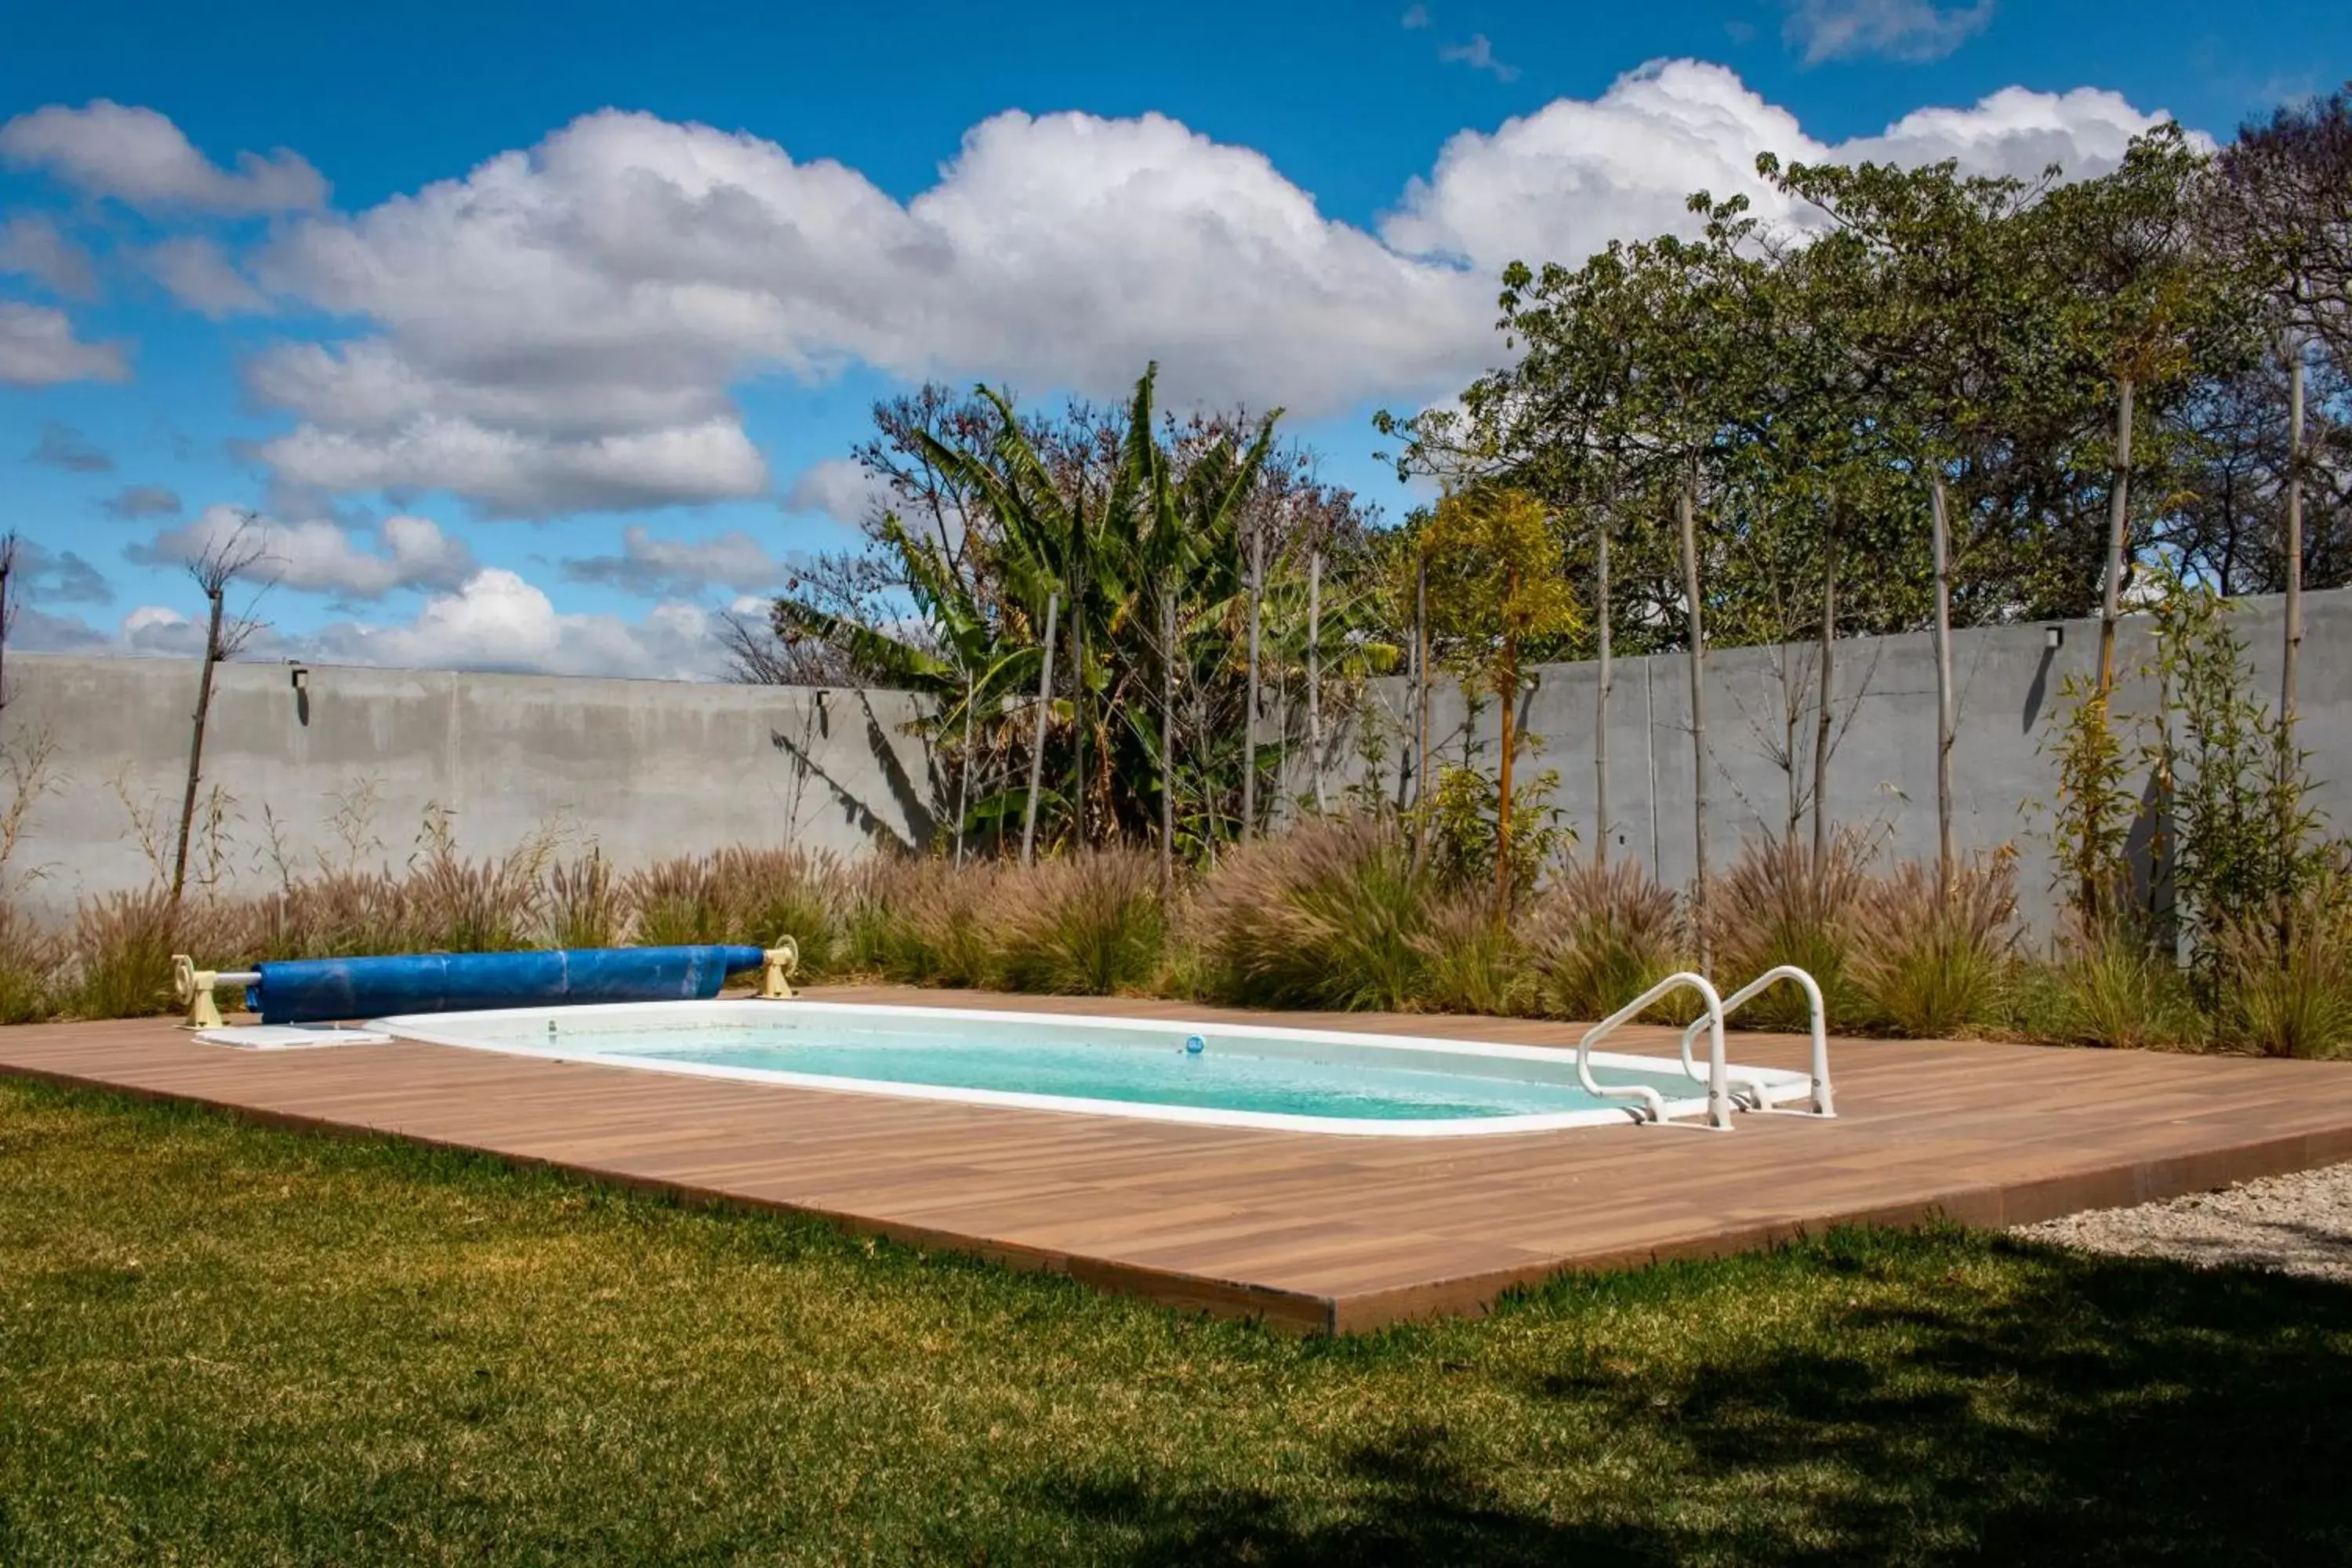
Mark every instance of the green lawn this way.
pixel 220 1343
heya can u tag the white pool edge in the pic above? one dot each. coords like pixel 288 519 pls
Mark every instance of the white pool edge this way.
pixel 1779 1085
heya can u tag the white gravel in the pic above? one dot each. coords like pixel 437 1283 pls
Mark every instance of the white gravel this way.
pixel 2300 1224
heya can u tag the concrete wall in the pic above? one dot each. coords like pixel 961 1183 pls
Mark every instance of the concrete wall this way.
pixel 647 768
pixel 1883 710
pixel 644 768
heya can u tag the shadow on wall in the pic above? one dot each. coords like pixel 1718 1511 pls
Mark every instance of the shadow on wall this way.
pixel 918 808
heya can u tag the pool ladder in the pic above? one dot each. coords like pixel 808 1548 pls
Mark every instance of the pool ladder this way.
pixel 1720 1085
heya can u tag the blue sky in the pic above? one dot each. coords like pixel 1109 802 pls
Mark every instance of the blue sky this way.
pixel 514 388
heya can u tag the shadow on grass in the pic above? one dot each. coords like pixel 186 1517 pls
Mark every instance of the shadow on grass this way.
pixel 2111 1411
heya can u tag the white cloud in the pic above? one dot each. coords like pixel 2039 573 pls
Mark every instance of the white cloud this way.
pixel 136 502
pixel 1560 184
pixel 1478 54
pixel 841 487
pixel 1896 29
pixel 37 348
pixel 33 244
pixel 1414 17
pixel 680 568
pixel 2014 131
pixel 497 621
pixel 63 447
pixel 56 576
pixel 36 630
pixel 141 159
pixel 560 330
pixel 193 268
pixel 514 474
pixel 321 557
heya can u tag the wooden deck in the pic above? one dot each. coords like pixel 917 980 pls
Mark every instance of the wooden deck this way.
pixel 1315 1232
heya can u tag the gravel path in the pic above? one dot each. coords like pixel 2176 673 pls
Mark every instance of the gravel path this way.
pixel 2300 1224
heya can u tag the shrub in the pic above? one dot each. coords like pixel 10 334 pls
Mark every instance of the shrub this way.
pixel 1777 906
pixel 763 894
pixel 1598 937
pixel 28 961
pixel 926 921
pixel 581 905
pixel 1087 926
pixel 1471 962
pixel 676 902
pixel 122 948
pixel 465 906
pixel 1326 916
pixel 2286 975
pixel 1931 963
pixel 2109 987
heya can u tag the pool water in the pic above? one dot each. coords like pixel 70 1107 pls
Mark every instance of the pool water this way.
pixel 1257 1076
pixel 1227 1078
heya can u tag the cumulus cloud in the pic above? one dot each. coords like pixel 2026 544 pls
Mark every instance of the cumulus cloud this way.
pixel 37 348
pixel 1561 183
pixel 320 557
pixel 1414 17
pixel 560 330
pixel 1895 29
pixel 36 630
pixel 143 159
pixel 56 576
pixel 193 270
pixel 680 568
pixel 63 447
pixel 33 246
pixel 840 488
pixel 1478 54
pixel 2014 131
pixel 495 620
pixel 135 503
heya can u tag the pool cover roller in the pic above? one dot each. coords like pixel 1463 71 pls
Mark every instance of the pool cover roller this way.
pixel 315 990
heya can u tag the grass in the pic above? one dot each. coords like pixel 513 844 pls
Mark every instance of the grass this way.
pixel 224 1343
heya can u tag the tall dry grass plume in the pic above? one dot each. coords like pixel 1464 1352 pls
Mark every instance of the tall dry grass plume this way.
pixel 1598 937
pixel 1330 914
pixel 1779 905
pixel 1932 965
pixel 2285 978
pixel 1088 925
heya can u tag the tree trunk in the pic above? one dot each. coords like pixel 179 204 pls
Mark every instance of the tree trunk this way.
pixel 1421 701
pixel 1314 679
pixel 196 744
pixel 1942 531
pixel 1600 706
pixel 2118 522
pixel 1249 713
pixel 1507 687
pixel 1078 719
pixel 1828 673
pixel 1697 632
pixel 1167 747
pixel 2291 655
pixel 963 772
pixel 1037 751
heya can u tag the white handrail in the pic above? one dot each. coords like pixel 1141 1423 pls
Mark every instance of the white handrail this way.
pixel 1749 992
pixel 1719 1089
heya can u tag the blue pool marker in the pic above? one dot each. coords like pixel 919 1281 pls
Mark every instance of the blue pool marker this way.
pixel 1194 1045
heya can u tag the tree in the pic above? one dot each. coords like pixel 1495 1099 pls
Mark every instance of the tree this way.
pixel 1496 583
pixel 222 564
pixel 1123 523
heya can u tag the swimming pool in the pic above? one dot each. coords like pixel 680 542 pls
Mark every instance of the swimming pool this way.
pixel 1293 1080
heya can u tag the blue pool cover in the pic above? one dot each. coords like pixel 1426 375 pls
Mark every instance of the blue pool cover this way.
pixel 314 990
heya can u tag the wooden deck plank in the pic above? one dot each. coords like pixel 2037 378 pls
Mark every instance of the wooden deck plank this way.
pixel 1312 1231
